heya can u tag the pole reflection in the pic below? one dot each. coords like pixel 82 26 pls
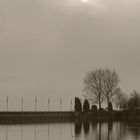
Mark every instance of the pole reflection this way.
pixel 21 132
pixel 48 131
pixel 35 133
pixel 6 132
pixel 77 131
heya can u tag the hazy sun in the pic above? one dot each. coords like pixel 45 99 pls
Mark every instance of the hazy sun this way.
pixel 85 0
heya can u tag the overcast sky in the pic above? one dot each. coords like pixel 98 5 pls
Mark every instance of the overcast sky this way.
pixel 48 46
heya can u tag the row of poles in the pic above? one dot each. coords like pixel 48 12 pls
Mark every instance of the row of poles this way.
pixel 22 104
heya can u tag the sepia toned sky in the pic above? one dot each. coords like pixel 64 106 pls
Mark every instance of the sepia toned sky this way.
pixel 48 46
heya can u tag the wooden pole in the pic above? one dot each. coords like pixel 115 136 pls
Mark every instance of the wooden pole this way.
pixel 7 103
pixel 35 103
pixel 22 104
pixel 48 104
pixel 60 103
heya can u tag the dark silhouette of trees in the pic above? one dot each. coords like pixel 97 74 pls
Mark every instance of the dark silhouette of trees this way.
pixel 131 103
pixel 110 108
pixel 110 85
pixel 93 86
pixel 134 101
pixel 101 85
pixel 86 106
pixel 78 105
pixel 94 108
pixel 122 101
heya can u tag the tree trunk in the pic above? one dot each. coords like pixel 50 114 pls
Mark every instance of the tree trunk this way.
pixel 100 131
pixel 108 102
pixel 99 105
pixel 99 101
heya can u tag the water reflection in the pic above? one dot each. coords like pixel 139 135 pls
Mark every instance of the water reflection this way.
pixel 110 127
pixel 107 131
pixel 86 126
pixel 100 131
pixel 35 132
pixel 21 132
pixel 134 129
pixel 6 132
pixel 72 131
pixel 48 131
pixel 78 128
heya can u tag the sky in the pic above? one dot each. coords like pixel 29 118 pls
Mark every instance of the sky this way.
pixel 48 46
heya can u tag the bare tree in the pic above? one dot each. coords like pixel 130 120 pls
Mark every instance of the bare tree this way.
pixel 93 86
pixel 121 100
pixel 110 88
pixel 101 85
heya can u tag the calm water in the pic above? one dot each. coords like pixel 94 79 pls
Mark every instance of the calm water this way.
pixel 72 131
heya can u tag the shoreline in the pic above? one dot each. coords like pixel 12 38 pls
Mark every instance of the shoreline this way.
pixel 31 117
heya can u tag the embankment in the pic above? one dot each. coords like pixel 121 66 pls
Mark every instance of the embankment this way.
pixel 66 116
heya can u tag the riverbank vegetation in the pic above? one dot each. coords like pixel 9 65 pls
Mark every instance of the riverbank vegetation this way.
pixel 103 96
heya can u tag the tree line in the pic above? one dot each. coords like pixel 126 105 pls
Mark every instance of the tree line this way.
pixel 79 107
pixel 102 86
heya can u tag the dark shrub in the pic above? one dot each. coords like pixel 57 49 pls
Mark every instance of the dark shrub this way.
pixel 86 106
pixel 134 101
pixel 78 105
pixel 110 108
pixel 101 110
pixel 94 108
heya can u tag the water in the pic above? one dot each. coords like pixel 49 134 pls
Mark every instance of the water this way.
pixel 72 131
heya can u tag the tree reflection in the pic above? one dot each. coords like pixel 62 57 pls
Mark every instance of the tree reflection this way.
pixel 94 130
pixel 86 126
pixel 78 128
pixel 107 130
pixel 134 128
pixel 100 131
pixel 110 127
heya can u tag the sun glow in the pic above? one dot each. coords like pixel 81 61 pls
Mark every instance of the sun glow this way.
pixel 85 0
